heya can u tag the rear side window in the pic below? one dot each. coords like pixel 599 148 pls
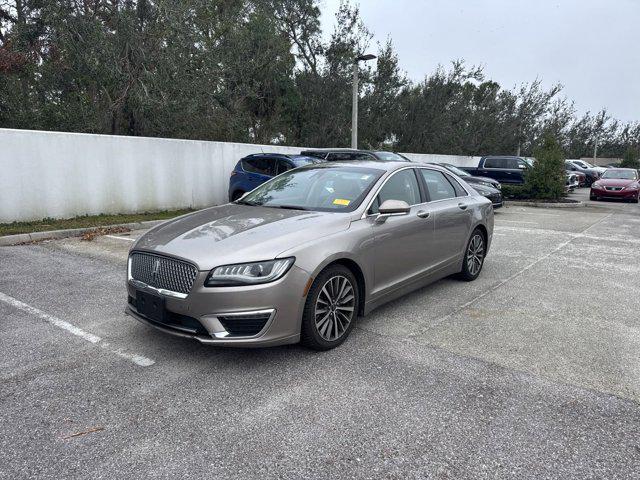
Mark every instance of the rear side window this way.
pixel 401 186
pixel 261 165
pixel 460 192
pixel 496 163
pixel 438 186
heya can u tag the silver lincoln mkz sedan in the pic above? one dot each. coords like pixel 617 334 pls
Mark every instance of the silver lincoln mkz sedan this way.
pixel 301 256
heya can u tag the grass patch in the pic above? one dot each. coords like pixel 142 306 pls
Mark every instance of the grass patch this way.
pixel 87 221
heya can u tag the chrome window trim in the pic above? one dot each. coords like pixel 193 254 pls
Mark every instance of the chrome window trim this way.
pixel 415 167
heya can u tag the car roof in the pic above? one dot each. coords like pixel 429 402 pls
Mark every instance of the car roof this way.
pixel 387 166
pixel 294 156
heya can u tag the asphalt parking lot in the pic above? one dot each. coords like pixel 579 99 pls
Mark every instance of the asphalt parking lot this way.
pixel 532 371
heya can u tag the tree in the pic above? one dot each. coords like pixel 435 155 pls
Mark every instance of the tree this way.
pixel 631 158
pixel 546 179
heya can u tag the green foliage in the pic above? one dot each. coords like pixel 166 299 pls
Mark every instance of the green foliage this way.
pixel 631 158
pixel 85 221
pixel 514 192
pixel 546 180
pixel 261 71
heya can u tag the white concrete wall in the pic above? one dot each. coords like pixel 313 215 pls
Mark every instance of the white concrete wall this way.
pixel 63 175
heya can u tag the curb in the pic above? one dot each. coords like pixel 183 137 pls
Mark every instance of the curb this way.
pixel 516 203
pixel 10 240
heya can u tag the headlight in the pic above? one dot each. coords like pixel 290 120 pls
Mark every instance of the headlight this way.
pixel 248 273
pixel 596 185
pixel 631 187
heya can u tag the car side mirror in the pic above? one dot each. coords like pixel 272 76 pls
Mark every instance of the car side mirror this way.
pixel 392 208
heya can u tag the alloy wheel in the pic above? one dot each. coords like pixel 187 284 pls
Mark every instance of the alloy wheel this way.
pixel 335 308
pixel 475 254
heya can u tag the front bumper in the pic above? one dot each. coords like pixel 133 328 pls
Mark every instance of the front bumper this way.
pixel 614 194
pixel 207 314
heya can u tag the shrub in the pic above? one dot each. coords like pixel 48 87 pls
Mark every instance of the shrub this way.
pixel 631 158
pixel 546 179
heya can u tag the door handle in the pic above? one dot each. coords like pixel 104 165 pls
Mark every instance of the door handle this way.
pixel 462 206
pixel 423 214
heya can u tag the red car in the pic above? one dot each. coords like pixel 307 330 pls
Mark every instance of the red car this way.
pixel 620 183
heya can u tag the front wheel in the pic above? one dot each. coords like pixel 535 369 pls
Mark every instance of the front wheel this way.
pixel 474 256
pixel 331 309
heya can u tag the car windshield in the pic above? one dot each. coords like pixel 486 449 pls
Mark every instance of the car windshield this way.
pixel 456 170
pixel 390 156
pixel 321 187
pixel 620 174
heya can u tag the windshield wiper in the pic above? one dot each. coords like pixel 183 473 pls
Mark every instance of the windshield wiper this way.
pixel 286 207
pixel 245 202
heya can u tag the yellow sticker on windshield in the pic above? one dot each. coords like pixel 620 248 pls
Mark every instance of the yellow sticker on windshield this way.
pixel 341 201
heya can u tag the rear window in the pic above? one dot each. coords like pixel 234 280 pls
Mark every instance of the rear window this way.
pixel 261 165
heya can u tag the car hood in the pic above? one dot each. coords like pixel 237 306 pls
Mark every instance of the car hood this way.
pixel 474 179
pixel 615 182
pixel 234 233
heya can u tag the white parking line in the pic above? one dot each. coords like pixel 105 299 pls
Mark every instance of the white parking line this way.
pixel 559 247
pixel 78 332
pixel 121 238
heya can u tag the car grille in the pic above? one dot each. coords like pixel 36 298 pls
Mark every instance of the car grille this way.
pixel 163 272
pixel 613 189
pixel 244 325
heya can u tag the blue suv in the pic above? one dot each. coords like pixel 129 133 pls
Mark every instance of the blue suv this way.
pixel 254 170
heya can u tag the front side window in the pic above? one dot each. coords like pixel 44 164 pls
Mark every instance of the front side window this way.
pixel 438 186
pixel 402 185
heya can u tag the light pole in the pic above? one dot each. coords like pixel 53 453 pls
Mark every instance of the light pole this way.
pixel 354 107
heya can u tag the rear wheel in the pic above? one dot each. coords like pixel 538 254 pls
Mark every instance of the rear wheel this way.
pixel 474 256
pixel 331 309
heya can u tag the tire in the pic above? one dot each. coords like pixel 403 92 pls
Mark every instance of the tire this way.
pixel 236 195
pixel 331 308
pixel 635 200
pixel 593 197
pixel 474 255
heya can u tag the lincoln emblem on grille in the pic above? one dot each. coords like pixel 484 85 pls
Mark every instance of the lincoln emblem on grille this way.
pixel 155 270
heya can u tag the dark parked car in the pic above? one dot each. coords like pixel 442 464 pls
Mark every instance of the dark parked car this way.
pixel 618 183
pixel 592 173
pixel 504 169
pixel 491 193
pixel 253 170
pixel 470 179
pixel 342 154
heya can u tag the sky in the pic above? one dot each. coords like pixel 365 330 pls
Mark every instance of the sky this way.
pixel 592 47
